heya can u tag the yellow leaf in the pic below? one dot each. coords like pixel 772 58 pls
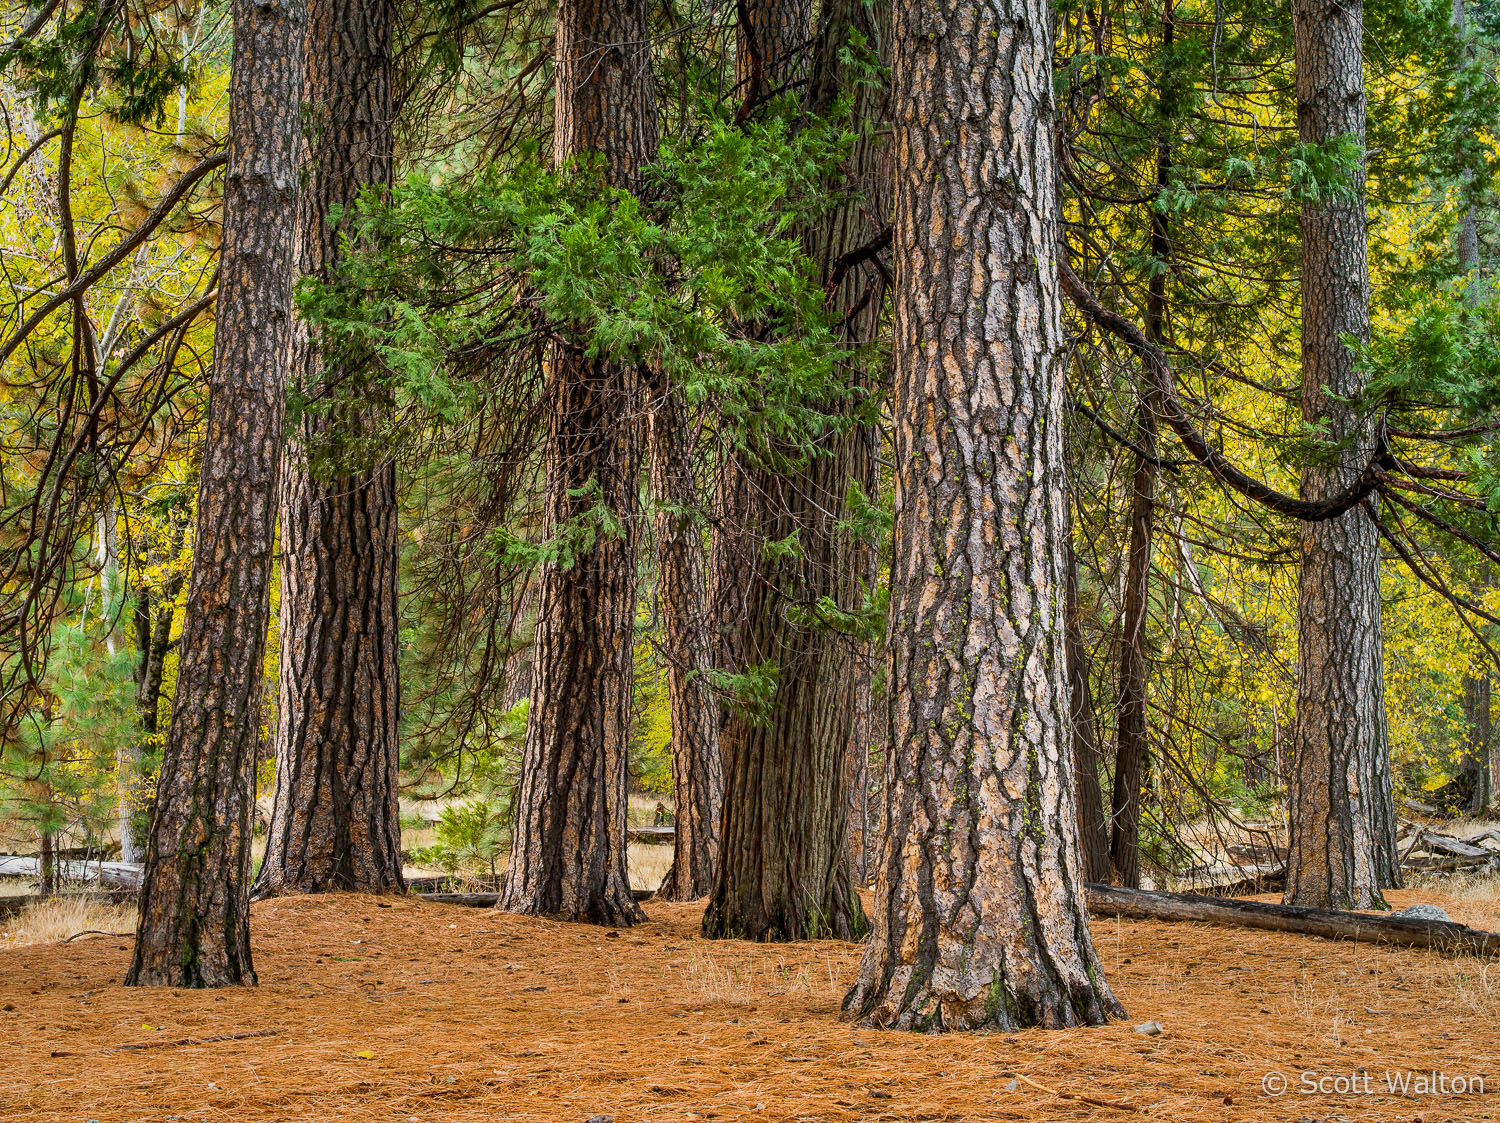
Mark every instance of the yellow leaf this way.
pixel 365 1055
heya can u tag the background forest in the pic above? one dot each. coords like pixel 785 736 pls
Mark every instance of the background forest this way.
pixel 1181 182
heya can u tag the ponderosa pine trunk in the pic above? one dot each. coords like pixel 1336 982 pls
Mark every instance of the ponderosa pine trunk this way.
pixel 770 60
pixel 784 869
pixel 335 824
pixel 194 928
pixel 1343 850
pixel 1093 828
pixel 567 856
pixel 687 648
pixel 980 915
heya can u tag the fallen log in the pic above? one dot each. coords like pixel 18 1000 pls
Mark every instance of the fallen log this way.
pixel 1443 844
pixel 1139 904
pixel 660 834
pixel 1236 881
pixel 489 900
pixel 110 875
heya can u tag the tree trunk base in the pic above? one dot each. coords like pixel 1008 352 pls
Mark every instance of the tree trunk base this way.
pixel 787 921
pixel 616 909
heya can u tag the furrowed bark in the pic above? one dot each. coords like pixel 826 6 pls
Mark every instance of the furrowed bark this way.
pixel 567 855
pixel 784 871
pixel 1343 845
pixel 980 917
pixel 770 59
pixel 194 927
pixel 335 824
pixel 697 760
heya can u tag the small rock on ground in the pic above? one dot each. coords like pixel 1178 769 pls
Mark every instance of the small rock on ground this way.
pixel 1423 912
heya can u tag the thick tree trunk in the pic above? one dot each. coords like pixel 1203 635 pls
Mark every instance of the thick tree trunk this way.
pixel 770 60
pixel 567 856
pixel 980 917
pixel 1343 846
pixel 771 41
pixel 194 927
pixel 697 760
pixel 784 871
pixel 1093 830
pixel 335 822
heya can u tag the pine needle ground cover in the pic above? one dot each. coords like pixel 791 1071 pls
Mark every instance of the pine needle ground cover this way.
pixel 391 1009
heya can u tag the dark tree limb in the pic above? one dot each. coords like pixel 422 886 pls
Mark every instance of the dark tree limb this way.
pixel 1159 374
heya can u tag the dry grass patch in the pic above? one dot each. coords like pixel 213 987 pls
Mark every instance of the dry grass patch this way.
pixel 55 920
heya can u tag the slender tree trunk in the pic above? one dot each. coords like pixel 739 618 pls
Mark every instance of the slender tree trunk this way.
pixel 1477 687
pixel 194 927
pixel 1477 761
pixel 979 896
pixel 1342 814
pixel 784 871
pixel 863 731
pixel 567 857
pixel 1468 228
pixel 46 866
pixel 1093 830
pixel 335 823
pixel 1133 733
pixel 154 614
pixel 697 760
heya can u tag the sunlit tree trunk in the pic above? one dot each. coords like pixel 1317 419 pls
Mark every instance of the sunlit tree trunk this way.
pixel 194 927
pixel 980 918
pixel 567 856
pixel 1342 850
pixel 335 822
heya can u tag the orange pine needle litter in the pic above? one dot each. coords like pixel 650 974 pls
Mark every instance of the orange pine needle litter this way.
pixel 395 1009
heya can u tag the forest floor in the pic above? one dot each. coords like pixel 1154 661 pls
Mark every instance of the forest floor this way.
pixel 390 1009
